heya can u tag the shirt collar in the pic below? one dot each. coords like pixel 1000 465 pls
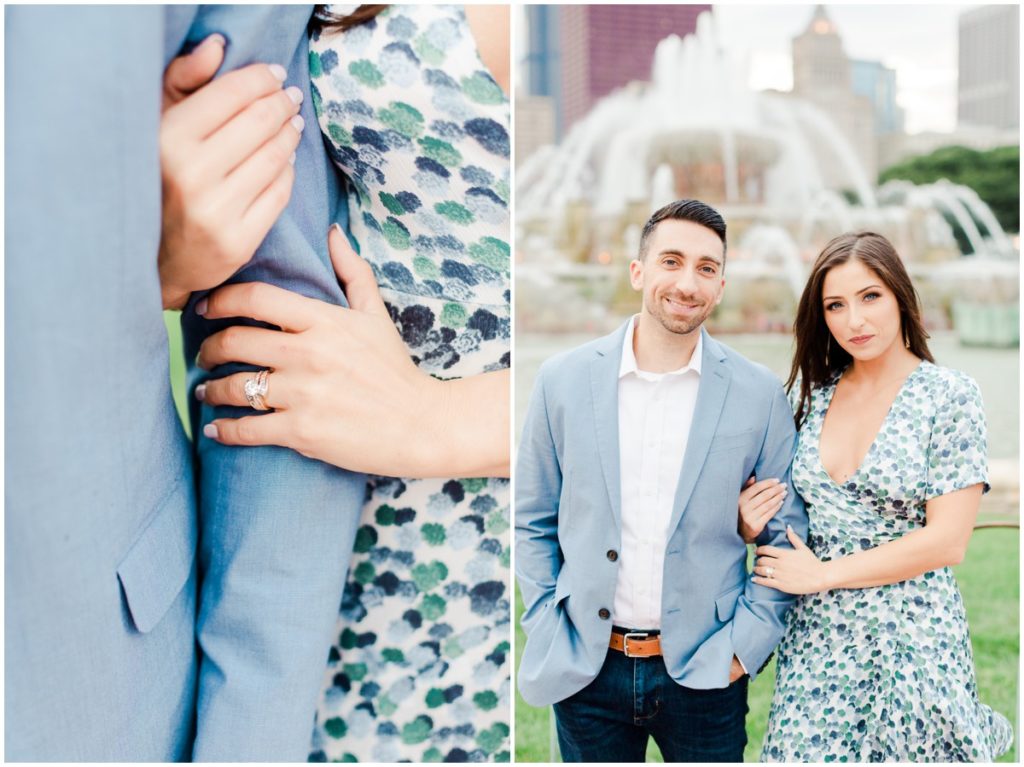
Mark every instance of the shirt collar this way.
pixel 628 363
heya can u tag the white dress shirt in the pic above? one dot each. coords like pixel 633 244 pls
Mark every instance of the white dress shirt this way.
pixel 655 415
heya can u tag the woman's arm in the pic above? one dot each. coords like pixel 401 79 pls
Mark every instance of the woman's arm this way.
pixel 474 429
pixel 343 387
pixel 941 542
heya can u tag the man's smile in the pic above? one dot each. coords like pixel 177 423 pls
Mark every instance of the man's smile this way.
pixel 682 305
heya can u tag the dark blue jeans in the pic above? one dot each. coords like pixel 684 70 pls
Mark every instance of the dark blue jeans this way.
pixel 632 699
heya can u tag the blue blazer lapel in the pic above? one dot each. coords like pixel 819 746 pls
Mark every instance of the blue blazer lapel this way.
pixel 604 390
pixel 714 385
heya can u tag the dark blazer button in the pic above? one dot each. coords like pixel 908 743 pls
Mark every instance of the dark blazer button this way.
pixel 603 614
pixel 612 555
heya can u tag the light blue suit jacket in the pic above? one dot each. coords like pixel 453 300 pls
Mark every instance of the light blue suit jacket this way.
pixel 568 517
pixel 102 523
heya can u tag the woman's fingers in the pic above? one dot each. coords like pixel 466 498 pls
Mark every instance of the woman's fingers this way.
pixel 795 539
pixel 230 390
pixel 263 302
pixel 764 489
pixel 264 210
pixel 269 429
pixel 355 275
pixel 257 171
pixel 766 517
pixel 762 502
pixel 213 105
pixel 241 140
pixel 186 74
pixel 255 346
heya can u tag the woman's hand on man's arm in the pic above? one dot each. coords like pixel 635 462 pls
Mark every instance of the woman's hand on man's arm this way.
pixel 343 386
pixel 226 153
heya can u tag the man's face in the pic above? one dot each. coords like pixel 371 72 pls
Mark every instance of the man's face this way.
pixel 681 276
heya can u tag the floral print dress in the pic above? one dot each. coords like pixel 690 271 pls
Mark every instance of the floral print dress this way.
pixel 420 669
pixel 886 673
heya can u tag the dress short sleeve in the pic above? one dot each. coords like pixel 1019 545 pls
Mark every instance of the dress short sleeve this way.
pixel 793 395
pixel 958 449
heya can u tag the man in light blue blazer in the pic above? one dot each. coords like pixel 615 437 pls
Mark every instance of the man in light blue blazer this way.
pixel 116 647
pixel 640 615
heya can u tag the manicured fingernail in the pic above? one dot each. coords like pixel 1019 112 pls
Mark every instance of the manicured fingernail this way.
pixel 294 93
pixel 201 392
pixel 210 430
pixel 201 306
pixel 337 227
pixel 278 71
pixel 298 123
pixel 215 38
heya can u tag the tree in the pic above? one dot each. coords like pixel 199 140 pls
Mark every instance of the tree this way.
pixel 993 173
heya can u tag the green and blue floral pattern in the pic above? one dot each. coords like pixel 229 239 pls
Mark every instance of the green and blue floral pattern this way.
pixel 887 673
pixel 420 669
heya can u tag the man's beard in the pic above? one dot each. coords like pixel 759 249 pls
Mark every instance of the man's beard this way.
pixel 678 325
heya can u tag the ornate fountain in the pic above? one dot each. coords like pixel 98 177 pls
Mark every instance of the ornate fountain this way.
pixel 777 168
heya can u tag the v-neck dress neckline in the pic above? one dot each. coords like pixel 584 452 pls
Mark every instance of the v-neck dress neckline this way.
pixel 828 393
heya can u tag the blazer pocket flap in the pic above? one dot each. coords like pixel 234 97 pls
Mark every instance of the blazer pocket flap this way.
pixel 725 605
pixel 160 561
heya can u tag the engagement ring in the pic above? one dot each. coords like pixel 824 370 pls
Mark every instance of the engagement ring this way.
pixel 256 389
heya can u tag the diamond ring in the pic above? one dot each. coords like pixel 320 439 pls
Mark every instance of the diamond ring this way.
pixel 256 389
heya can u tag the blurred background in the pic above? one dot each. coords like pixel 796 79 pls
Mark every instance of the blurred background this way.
pixel 797 122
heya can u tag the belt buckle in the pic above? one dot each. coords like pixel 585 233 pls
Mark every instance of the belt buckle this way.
pixel 632 635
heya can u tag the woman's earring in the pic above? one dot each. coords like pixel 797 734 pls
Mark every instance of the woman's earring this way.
pixel 828 347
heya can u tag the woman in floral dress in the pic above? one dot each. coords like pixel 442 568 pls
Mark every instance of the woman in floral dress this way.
pixel 417 123
pixel 876 663
pixel 409 104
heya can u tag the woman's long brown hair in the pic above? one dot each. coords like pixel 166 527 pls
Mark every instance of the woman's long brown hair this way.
pixel 324 19
pixel 818 356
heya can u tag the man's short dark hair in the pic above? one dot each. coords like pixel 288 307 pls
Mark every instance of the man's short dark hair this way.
pixel 685 210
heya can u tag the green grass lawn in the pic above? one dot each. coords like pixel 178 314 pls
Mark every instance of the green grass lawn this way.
pixel 172 320
pixel 989 582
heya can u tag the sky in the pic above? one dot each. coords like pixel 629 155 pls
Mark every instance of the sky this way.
pixel 918 41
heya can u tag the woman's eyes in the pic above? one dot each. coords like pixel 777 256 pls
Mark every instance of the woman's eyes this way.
pixel 835 305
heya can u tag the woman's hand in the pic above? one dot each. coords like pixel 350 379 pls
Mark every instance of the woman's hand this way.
pixel 794 571
pixel 759 502
pixel 343 387
pixel 226 153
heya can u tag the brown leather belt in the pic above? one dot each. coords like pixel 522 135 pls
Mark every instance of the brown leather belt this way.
pixel 636 644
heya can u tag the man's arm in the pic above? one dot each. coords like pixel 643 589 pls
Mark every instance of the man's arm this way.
pixel 758 623
pixel 538 487
pixel 277 529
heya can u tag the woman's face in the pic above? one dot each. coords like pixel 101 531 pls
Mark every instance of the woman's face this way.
pixel 861 311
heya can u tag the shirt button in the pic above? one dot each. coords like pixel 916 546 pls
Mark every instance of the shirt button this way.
pixel 612 555
pixel 603 614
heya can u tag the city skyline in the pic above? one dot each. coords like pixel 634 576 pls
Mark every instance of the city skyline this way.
pixel 925 62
